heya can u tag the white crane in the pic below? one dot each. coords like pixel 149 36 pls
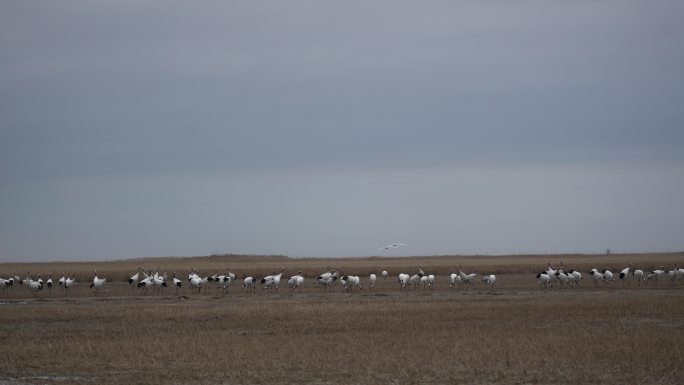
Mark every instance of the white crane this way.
pixel 573 276
pixel 638 276
pixel 544 279
pixel 489 280
pixel 223 281
pixel 325 282
pixel 249 283
pixel 327 279
pixel 295 281
pixel 466 278
pixel 68 283
pixel 276 279
pixel 578 276
pixel 403 280
pixel 5 284
pixel 455 280
pixel 673 275
pixel 272 281
pixel 33 285
pixel 562 278
pixel 267 282
pixel 414 281
pixel 146 283
pixel 353 281
pixel 657 273
pixel 551 272
pixel 134 278
pixel 624 275
pixel 424 281
pixel 98 282
pixel 607 276
pixel 343 282
pixel 676 274
pixel 159 282
pixel 195 280
pixel 392 246
pixel 176 282
pixel 371 280
pixel 596 276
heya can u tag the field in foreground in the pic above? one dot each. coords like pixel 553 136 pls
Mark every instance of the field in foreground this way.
pixel 515 333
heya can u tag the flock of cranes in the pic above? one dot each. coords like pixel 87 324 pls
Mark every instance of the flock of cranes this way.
pixel 562 277
pixel 156 282
pixel 35 285
pixel 221 282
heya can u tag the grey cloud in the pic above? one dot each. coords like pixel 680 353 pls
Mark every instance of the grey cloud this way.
pixel 213 90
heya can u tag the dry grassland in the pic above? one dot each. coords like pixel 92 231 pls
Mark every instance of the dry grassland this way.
pixel 514 334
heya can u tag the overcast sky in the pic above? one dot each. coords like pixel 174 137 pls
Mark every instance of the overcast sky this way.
pixel 318 128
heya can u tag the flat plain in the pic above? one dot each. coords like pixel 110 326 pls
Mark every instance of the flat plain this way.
pixel 512 333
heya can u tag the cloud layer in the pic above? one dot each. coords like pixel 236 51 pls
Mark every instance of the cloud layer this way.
pixel 308 128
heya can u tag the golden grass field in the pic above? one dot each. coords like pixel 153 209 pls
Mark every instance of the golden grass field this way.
pixel 514 333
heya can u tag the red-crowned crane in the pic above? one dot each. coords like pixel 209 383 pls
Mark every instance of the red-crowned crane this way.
pixel 624 275
pixel 134 279
pixel 249 283
pixel 466 278
pixel 176 282
pixel 98 282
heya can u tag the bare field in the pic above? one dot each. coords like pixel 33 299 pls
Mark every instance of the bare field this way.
pixel 513 334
